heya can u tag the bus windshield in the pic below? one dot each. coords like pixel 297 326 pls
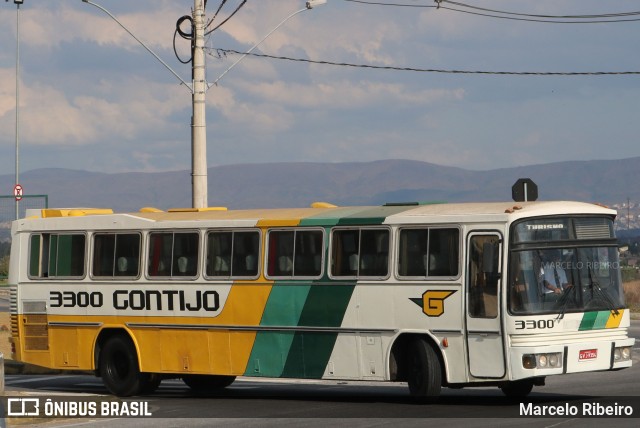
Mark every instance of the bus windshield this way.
pixel 565 279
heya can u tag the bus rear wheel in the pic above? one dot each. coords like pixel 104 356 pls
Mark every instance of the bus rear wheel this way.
pixel 152 383
pixel 206 383
pixel 119 367
pixel 424 371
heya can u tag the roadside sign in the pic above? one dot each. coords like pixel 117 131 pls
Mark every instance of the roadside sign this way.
pixel 524 190
pixel 18 191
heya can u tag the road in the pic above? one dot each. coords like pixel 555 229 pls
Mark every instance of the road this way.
pixel 362 404
pixel 249 403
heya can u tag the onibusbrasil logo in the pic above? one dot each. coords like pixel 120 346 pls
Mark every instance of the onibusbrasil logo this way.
pixel 74 407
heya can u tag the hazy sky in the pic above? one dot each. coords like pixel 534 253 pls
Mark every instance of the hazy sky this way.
pixel 92 98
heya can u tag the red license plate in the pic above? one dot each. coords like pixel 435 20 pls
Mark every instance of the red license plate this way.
pixel 588 354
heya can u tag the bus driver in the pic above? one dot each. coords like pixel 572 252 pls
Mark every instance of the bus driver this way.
pixel 553 276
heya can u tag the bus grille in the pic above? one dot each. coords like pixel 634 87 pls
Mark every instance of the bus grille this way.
pixel 568 338
pixel 13 310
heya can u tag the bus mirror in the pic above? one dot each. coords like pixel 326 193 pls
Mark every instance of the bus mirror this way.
pixel 488 257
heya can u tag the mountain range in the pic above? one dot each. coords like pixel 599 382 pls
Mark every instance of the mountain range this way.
pixel 299 184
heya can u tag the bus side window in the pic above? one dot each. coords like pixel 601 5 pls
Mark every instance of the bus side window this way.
pixel 173 254
pixel 344 254
pixel 374 252
pixel 295 253
pixel 360 252
pixel 412 257
pixel 246 253
pixel 103 254
pixel 57 255
pixel 219 253
pixel 443 252
pixel 232 254
pixel 185 254
pixel 127 255
pixel 483 280
pixel 280 253
pixel 427 252
pixel 160 246
pixel 116 254
pixel 35 257
pixel 308 253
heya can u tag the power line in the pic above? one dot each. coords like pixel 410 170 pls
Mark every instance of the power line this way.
pixel 605 15
pixel 597 21
pixel 490 13
pixel 391 4
pixel 220 52
pixel 226 19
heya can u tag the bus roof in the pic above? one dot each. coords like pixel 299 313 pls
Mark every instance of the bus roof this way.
pixel 329 215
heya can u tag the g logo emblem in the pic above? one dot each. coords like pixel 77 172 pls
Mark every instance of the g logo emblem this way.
pixel 433 302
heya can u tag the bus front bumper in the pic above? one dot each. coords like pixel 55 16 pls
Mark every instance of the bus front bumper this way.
pixel 533 361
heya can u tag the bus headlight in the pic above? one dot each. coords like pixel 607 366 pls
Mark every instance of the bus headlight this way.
pixel 622 354
pixel 542 361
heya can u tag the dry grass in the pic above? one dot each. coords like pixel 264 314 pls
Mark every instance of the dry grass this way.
pixel 632 294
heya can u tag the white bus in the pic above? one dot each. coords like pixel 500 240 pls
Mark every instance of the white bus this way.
pixel 441 295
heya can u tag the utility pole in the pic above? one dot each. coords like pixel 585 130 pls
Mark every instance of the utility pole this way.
pixel 198 120
pixel 18 197
pixel 198 89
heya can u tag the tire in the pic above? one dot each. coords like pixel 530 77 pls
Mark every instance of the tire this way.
pixel 424 371
pixel 119 367
pixel 207 383
pixel 517 389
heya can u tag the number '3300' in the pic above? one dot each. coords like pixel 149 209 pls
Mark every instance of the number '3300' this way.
pixel 69 299
pixel 534 324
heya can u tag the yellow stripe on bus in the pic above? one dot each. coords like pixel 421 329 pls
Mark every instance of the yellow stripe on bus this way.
pixel 614 320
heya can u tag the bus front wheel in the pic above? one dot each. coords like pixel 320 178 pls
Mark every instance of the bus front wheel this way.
pixel 424 371
pixel 517 389
pixel 205 383
pixel 119 367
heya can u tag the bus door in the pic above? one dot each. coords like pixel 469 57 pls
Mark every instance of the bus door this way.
pixel 485 348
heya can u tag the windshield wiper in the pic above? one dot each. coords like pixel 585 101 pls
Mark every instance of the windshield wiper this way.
pixel 603 295
pixel 563 302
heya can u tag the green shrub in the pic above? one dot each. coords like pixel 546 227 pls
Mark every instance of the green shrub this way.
pixel 4 267
pixel 629 274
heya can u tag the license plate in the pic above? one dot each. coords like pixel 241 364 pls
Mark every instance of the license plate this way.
pixel 588 354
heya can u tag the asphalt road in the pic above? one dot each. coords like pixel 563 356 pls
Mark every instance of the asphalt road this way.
pixel 248 403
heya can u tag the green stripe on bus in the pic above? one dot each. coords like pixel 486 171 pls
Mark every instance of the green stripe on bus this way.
pixel 594 320
pixel 310 351
pixel 587 321
pixel 329 218
pixel 271 348
pixel 372 215
pixel 601 320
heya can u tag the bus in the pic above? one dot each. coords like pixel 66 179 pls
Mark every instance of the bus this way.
pixel 432 295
